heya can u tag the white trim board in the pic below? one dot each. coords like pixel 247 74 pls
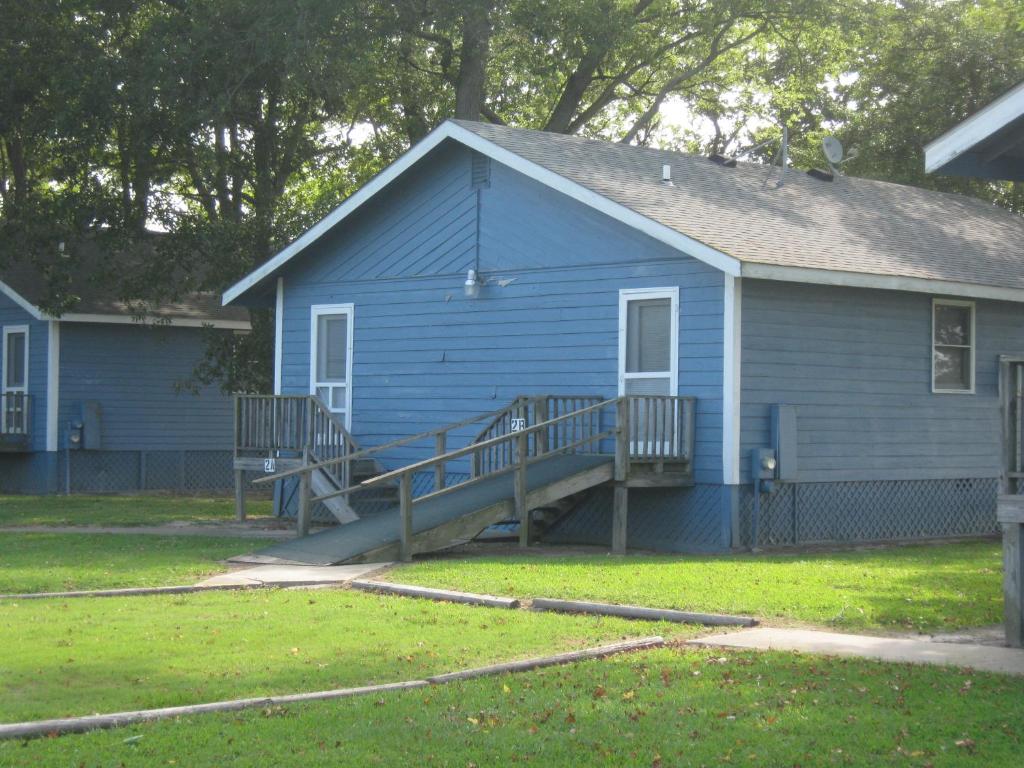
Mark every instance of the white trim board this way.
pixel 20 300
pixel 732 341
pixel 278 334
pixel 976 128
pixel 155 320
pixel 883 282
pixel 449 130
pixel 52 384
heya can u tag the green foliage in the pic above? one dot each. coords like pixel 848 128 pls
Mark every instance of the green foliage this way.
pixel 922 588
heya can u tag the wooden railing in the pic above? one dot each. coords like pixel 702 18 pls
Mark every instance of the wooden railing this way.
pixel 525 410
pixel 15 413
pixel 647 428
pixel 660 426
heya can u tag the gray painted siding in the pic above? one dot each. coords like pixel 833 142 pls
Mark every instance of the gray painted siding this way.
pixel 547 321
pixel 857 364
pixel 132 370
pixel 38 340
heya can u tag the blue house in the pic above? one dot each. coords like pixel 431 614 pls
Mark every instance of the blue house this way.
pixel 92 400
pixel 831 346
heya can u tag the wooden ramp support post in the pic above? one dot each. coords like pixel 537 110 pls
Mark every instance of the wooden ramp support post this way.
pixel 240 495
pixel 620 505
pixel 1010 513
pixel 305 482
pixel 522 513
pixel 405 511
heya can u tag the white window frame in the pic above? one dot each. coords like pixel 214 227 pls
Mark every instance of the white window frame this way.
pixel 972 348
pixel 10 330
pixel 627 295
pixel 315 312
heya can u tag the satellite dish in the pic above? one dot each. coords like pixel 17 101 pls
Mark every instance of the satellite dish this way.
pixel 833 149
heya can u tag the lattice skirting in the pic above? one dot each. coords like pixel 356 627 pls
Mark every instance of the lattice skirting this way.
pixel 177 471
pixel 876 510
pixel 664 519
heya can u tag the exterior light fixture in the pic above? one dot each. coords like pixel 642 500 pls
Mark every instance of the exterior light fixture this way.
pixel 472 284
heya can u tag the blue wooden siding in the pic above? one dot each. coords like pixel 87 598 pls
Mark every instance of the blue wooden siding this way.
pixel 857 364
pixel 38 340
pixel 131 370
pixel 545 322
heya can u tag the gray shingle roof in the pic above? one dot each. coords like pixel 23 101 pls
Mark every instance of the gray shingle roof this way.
pixel 90 279
pixel 847 225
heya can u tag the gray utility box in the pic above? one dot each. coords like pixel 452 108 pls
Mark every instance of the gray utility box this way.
pixel 92 425
pixel 783 425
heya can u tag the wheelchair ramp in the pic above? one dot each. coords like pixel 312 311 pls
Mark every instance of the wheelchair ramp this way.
pixel 443 520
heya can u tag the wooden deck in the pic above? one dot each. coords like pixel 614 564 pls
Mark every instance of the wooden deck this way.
pixel 445 520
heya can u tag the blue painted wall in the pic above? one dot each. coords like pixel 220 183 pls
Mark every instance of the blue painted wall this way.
pixel 857 364
pixel 12 314
pixel 546 322
pixel 132 371
pixel 33 472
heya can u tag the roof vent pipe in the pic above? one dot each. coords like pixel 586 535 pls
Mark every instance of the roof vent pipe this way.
pixel 666 174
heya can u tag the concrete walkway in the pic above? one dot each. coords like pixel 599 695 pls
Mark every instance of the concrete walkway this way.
pixel 987 658
pixel 293 575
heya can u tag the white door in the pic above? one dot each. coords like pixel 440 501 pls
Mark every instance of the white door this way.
pixel 15 380
pixel 648 356
pixel 330 373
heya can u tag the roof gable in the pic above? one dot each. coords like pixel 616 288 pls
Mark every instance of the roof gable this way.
pixel 847 232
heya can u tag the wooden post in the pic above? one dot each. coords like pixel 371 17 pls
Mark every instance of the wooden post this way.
pixel 302 519
pixel 522 513
pixel 1010 513
pixel 239 495
pixel 540 410
pixel 620 511
pixel 440 448
pixel 405 511
pixel 621 439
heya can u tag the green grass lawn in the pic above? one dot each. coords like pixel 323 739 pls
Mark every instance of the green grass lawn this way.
pixel 663 708
pixel 924 588
pixel 79 656
pixel 121 510
pixel 53 562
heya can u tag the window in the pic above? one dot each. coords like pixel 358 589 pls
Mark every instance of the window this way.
pixel 14 379
pixel 952 346
pixel 331 357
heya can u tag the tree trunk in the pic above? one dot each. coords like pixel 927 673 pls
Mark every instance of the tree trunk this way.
pixel 476 40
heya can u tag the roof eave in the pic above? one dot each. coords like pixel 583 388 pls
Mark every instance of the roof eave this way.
pixel 976 128
pixel 881 282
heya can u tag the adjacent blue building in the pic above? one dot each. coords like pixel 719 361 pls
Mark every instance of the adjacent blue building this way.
pixel 98 399
pixel 856 328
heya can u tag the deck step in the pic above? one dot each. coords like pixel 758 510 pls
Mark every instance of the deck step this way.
pixel 322 483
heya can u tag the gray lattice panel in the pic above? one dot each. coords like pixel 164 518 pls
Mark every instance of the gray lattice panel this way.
pixel 878 510
pixel 104 471
pixel 668 520
pixel 208 470
pixel 162 470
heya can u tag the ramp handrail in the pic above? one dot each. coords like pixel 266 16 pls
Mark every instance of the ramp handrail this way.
pixel 522 460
